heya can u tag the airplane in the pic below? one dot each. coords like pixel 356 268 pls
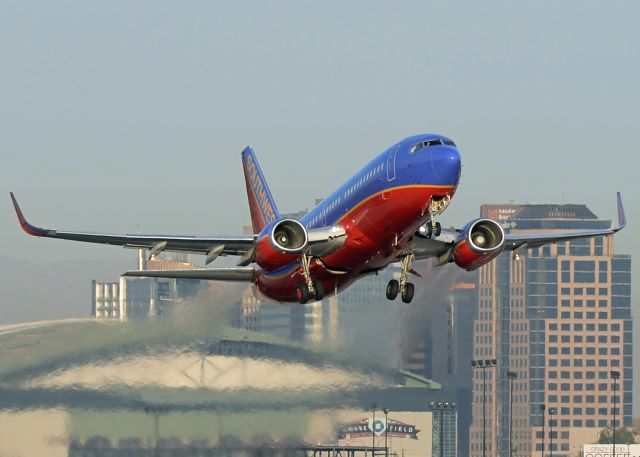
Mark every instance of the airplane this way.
pixel 385 213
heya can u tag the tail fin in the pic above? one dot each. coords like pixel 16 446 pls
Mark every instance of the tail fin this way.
pixel 261 204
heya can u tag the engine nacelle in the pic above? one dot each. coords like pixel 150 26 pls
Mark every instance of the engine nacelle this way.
pixel 282 244
pixel 482 240
pixel 289 236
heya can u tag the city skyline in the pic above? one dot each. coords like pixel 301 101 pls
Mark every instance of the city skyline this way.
pixel 131 118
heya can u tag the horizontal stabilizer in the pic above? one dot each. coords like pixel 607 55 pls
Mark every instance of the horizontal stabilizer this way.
pixel 216 274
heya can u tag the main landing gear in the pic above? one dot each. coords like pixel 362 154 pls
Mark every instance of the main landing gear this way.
pixel 432 230
pixel 312 289
pixel 406 289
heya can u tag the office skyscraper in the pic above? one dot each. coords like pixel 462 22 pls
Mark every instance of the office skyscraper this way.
pixel 559 317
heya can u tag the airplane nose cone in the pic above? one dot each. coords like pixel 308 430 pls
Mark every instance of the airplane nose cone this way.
pixel 446 165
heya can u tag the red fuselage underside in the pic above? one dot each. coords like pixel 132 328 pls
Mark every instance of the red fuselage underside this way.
pixel 378 229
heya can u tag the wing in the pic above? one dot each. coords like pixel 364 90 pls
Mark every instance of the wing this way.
pixel 212 247
pixel 220 274
pixel 519 242
pixel 441 248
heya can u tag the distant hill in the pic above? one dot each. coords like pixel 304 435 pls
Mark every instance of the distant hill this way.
pixel 30 291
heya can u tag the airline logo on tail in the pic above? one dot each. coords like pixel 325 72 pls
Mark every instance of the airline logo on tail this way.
pixel 261 204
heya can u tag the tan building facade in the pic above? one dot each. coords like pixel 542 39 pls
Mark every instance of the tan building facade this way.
pixel 558 319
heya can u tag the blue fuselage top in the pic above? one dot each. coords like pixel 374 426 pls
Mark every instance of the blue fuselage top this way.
pixel 427 159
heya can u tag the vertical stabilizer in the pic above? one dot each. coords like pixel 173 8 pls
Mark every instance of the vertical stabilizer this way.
pixel 261 204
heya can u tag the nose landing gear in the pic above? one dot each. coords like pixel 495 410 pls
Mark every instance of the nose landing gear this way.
pixel 406 289
pixel 431 229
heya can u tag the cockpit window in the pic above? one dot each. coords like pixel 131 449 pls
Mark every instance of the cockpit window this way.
pixel 437 142
pixel 416 147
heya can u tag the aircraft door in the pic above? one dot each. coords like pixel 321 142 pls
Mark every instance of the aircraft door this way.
pixel 391 163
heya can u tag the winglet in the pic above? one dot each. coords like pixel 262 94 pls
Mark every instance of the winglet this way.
pixel 30 229
pixel 622 218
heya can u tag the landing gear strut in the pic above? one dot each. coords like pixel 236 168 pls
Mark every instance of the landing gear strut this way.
pixel 312 289
pixel 406 289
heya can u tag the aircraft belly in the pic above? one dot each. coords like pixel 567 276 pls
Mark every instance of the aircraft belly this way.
pixel 381 227
pixel 377 231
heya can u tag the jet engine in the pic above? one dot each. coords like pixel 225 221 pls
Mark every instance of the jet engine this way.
pixel 289 236
pixel 281 244
pixel 481 241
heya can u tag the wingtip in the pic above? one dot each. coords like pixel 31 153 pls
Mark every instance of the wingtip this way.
pixel 622 218
pixel 30 229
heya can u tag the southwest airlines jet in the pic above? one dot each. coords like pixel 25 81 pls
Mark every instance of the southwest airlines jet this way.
pixel 385 213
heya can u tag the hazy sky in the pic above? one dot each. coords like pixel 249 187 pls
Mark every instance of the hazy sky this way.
pixel 127 116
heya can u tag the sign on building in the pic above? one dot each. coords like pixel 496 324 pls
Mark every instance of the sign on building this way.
pixel 606 450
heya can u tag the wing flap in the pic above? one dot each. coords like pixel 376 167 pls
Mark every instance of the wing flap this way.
pixel 215 274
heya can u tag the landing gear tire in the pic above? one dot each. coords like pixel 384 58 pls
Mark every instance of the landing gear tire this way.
pixel 392 289
pixel 429 227
pixel 319 290
pixel 407 293
pixel 302 293
pixel 438 230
